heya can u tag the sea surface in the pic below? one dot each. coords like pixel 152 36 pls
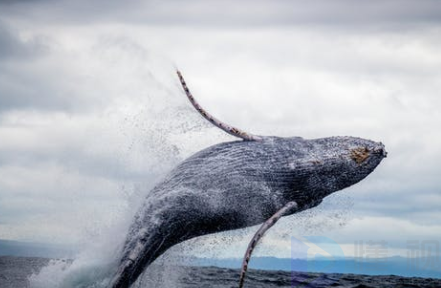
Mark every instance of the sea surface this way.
pixel 14 273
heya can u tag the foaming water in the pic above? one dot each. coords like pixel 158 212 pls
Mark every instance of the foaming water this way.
pixel 92 266
pixel 80 273
pixel 145 128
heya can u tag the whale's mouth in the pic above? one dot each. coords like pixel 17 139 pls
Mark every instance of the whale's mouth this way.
pixel 380 151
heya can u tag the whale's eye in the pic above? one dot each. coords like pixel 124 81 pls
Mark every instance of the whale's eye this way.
pixel 360 155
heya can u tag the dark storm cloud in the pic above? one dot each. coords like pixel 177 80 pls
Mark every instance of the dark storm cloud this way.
pixel 233 13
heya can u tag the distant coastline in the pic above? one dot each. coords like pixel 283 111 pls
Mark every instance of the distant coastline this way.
pixel 381 266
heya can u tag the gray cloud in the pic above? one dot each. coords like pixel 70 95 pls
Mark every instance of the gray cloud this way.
pixel 376 13
pixel 91 112
pixel 34 78
pixel 21 85
pixel 14 48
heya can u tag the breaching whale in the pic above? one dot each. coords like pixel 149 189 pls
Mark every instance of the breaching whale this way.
pixel 239 184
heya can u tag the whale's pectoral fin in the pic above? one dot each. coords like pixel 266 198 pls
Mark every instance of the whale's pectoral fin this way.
pixel 227 128
pixel 286 210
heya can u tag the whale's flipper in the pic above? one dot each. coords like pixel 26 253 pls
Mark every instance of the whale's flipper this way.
pixel 227 128
pixel 289 208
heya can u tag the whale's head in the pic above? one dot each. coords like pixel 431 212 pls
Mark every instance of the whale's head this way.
pixel 325 165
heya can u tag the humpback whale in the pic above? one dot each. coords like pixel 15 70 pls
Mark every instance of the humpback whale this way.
pixel 232 185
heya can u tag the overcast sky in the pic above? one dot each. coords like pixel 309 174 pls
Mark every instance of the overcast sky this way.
pixel 92 114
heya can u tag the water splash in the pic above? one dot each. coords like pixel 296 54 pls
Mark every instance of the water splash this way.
pixel 141 126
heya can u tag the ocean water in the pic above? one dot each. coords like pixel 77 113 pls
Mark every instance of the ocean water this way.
pixel 16 271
